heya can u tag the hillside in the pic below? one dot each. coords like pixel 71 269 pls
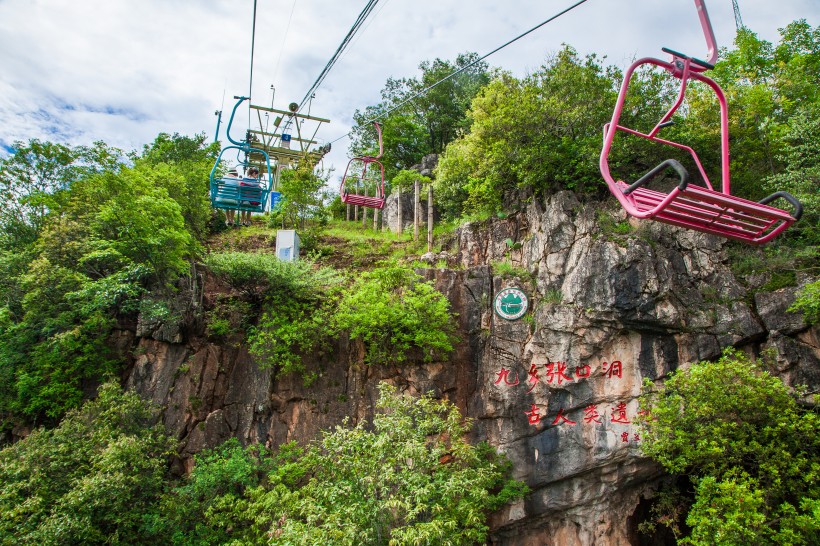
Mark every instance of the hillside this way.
pixel 652 299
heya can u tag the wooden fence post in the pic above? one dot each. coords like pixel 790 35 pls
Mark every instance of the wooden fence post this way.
pixel 416 209
pixel 430 217
pixel 398 225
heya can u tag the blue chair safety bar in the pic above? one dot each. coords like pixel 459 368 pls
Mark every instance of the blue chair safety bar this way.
pixel 246 194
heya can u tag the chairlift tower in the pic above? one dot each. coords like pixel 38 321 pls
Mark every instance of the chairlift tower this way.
pixel 738 18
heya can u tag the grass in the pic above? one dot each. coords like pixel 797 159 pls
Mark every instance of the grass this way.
pixel 508 270
pixel 340 244
pixel 611 227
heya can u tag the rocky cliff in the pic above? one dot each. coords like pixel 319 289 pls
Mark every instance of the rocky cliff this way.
pixel 555 390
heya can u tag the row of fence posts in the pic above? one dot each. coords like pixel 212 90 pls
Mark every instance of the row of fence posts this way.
pixel 354 209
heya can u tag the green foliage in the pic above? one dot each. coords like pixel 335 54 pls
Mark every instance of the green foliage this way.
pixel 612 227
pixel 182 166
pixel 750 450
pixel 302 195
pixel 425 124
pixel 297 302
pixel 85 237
pixel 88 481
pixel 35 178
pixel 808 302
pixel 509 271
pixel 801 176
pixel 392 312
pixel 534 135
pixel 292 326
pixel 410 478
pixel 406 180
pixel 259 273
pixel 211 506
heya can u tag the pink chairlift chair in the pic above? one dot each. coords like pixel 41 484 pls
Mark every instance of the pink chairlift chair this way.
pixel 694 207
pixel 376 201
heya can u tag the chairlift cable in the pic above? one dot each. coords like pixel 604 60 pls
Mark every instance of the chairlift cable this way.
pixel 384 4
pixel 253 43
pixel 345 42
pixel 462 69
pixel 284 41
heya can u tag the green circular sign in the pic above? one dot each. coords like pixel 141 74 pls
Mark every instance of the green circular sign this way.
pixel 511 304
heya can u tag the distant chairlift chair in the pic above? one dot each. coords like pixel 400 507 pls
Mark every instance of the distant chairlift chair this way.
pixel 689 206
pixel 351 178
pixel 247 194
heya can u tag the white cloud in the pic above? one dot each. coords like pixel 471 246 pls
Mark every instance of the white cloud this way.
pixel 122 71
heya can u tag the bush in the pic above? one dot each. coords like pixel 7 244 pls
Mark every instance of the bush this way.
pixel 257 273
pixel 410 478
pixel 808 302
pixel 751 452
pixel 88 481
pixel 391 312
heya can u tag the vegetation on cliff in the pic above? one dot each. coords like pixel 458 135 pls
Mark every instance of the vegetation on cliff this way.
pixel 751 452
pixel 92 237
pixel 101 477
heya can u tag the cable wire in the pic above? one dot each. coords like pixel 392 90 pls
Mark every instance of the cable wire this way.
pixel 250 83
pixel 284 41
pixel 463 68
pixel 368 8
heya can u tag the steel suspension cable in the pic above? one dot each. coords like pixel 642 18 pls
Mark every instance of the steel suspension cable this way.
pixel 463 68
pixel 250 83
pixel 284 40
pixel 345 42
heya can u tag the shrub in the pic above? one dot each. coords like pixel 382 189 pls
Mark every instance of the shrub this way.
pixel 808 302
pixel 88 481
pixel 391 312
pixel 751 452
pixel 257 273
pixel 409 478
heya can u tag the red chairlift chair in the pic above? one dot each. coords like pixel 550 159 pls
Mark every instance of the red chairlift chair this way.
pixel 376 201
pixel 694 207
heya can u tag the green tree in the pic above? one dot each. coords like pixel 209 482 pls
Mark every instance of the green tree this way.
pixel 211 506
pixel 182 166
pixel 90 480
pixel 530 136
pixel 801 175
pixel 415 127
pixel 412 479
pixel 409 478
pixel 393 313
pixel 752 453
pixel 101 235
pixel 34 176
pixel 302 195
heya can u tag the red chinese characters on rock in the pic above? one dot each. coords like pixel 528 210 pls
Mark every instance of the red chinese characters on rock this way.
pixel 613 369
pixel 591 414
pixel 555 372
pixel 533 415
pixel 504 375
pixel 619 414
pixel 558 373
pixel 561 418
pixel 533 377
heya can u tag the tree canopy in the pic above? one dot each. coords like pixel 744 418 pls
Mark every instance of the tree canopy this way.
pixel 752 453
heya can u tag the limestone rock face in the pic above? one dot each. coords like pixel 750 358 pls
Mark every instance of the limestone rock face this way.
pixel 555 390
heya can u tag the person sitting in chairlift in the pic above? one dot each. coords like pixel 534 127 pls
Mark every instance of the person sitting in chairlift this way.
pixel 230 214
pixel 252 180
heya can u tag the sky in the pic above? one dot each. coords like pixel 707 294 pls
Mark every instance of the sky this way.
pixel 122 71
